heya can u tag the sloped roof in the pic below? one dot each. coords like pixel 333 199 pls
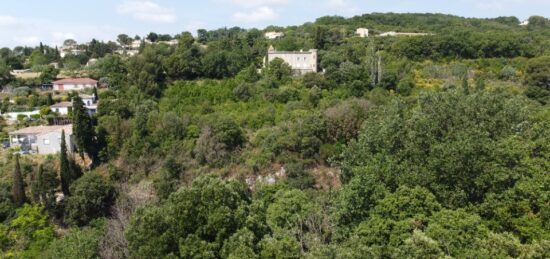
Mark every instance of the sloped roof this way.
pixel 76 81
pixel 39 130
pixel 62 105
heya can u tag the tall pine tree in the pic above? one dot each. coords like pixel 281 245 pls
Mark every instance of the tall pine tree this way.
pixel 96 96
pixel 64 167
pixel 465 85
pixel 43 188
pixel 18 188
pixel 83 130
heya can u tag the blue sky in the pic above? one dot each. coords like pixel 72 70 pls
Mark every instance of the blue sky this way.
pixel 27 22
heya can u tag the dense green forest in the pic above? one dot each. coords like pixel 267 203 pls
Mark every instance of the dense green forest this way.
pixel 433 146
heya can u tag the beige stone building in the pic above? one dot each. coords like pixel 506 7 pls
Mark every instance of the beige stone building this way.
pixel 301 62
pixel 273 35
pixel 362 32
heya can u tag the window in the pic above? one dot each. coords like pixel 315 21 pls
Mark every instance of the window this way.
pixel 46 141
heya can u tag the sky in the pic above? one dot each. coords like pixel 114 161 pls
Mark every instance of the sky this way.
pixel 29 22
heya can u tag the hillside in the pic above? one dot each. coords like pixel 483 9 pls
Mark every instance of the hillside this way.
pixel 424 146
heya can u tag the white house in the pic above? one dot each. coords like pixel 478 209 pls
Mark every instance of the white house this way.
pixel 92 62
pixel 42 139
pixel 362 32
pixel 19 71
pixel 12 116
pixel 135 44
pixel 76 84
pixel 170 42
pixel 273 35
pixel 71 50
pixel 524 23
pixel 63 108
pixel 301 62
pixel 396 34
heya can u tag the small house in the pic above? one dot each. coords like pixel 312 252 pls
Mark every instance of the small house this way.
pixel 271 35
pixel 42 140
pixel 64 108
pixel 75 84
pixel 362 32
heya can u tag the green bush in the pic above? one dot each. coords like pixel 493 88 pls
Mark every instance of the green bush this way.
pixel 91 198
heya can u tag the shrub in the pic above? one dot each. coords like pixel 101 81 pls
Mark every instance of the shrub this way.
pixel 91 198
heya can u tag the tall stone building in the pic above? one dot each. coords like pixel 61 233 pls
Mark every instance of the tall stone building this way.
pixel 301 62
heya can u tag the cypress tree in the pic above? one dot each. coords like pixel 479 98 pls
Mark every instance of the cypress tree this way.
pixel 83 130
pixel 50 99
pixel 96 96
pixel 64 167
pixel 480 84
pixel 465 85
pixel 18 188
pixel 44 186
pixel 37 187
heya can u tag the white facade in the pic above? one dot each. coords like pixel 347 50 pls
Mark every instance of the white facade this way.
pixel 12 116
pixel 273 35
pixel 301 62
pixel 64 108
pixel 72 87
pixel 395 34
pixel 70 50
pixel 170 42
pixel 61 108
pixel 524 23
pixel 135 44
pixel 362 32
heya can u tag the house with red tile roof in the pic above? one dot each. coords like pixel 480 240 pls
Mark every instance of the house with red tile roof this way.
pixel 74 84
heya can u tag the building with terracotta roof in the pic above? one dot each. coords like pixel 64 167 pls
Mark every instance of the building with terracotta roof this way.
pixel 75 84
pixel 42 140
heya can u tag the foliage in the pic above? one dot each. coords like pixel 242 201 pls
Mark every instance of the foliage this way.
pixel 205 215
pixel 69 171
pixel 423 146
pixel 44 188
pixel 28 233
pixel 91 198
pixel 18 188
pixel 83 130
pixel 78 243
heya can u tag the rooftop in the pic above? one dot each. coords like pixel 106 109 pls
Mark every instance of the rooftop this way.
pixel 39 130
pixel 76 81
pixel 62 105
pixel 86 96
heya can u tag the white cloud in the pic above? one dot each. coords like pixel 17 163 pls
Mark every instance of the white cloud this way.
pixel 261 14
pixel 256 3
pixel 147 11
pixel 6 20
